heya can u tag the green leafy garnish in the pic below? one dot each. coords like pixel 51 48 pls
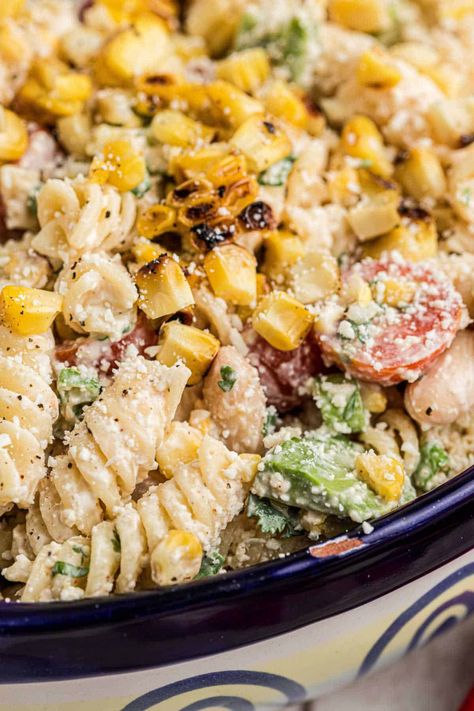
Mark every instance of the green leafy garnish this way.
pixel 142 188
pixel 75 391
pixel 32 201
pixel 434 461
pixel 340 402
pixel 116 545
pixel 270 421
pixel 273 518
pixel 229 378
pixel 211 564
pixel 72 571
pixel 277 174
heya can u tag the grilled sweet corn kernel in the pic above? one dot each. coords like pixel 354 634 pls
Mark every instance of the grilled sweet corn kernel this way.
pixel 262 143
pixel 373 217
pixel 281 320
pixel 232 274
pixel 227 170
pixel 361 15
pixel 176 129
pixel 27 311
pixel 196 348
pixel 373 397
pixel 231 106
pixel 281 100
pixel 384 474
pixel 282 250
pixel 10 8
pixel 247 69
pixel 157 220
pixel 376 71
pixel 145 251
pixel 314 276
pixel 395 293
pixel 344 187
pixel 414 239
pixel 119 165
pixel 176 558
pixel 190 164
pixel 356 291
pixel 422 174
pixel 164 289
pixel 53 90
pixel 13 136
pixel 216 21
pixel 180 446
pixel 137 50
pixel 361 139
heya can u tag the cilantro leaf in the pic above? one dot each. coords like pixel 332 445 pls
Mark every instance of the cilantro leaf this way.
pixel 116 544
pixel 271 517
pixel 434 460
pixel 73 571
pixel 211 564
pixel 229 378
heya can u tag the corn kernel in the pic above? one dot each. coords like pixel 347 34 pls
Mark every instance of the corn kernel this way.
pixel 422 174
pixel 361 15
pixel 344 187
pixel 376 72
pixel 414 239
pixel 250 466
pixel 27 311
pixel 145 251
pixel 282 321
pixel 164 289
pixel 197 162
pixel 282 101
pixel 217 22
pixel 361 139
pixel 202 421
pixel 247 69
pixel 314 276
pixel 13 136
pixel 356 291
pixel 232 106
pixel 447 78
pixel 157 220
pixel 395 293
pixel 261 142
pixel 383 474
pixel 373 217
pixel 232 273
pixel 373 397
pixel 176 558
pixel 282 250
pixel 196 348
pixel 10 8
pixel 176 129
pixel 53 90
pixel 181 446
pixel 137 50
pixel 227 170
pixel 119 165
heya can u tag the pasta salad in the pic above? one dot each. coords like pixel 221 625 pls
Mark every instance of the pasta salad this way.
pixel 236 280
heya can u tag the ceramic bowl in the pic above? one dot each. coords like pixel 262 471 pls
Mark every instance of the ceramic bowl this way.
pixel 261 638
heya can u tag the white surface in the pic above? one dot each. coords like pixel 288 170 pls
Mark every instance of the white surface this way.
pixel 435 678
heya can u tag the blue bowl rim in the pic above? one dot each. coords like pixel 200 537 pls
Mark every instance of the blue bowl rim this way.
pixel 28 618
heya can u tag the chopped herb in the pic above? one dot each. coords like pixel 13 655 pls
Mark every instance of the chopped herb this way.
pixel 273 518
pixel 270 421
pixel 75 391
pixel 72 571
pixel 142 188
pixel 116 545
pixel 32 201
pixel 229 378
pixel 434 461
pixel 211 564
pixel 278 173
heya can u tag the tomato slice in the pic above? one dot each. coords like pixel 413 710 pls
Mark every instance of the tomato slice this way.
pixel 396 343
pixel 284 374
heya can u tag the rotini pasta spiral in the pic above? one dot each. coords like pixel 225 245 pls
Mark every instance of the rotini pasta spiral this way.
pixel 28 409
pixel 81 216
pixel 99 296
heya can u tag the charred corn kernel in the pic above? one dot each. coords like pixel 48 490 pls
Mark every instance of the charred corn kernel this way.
pixel 13 136
pixel 157 220
pixel 422 174
pixel 53 90
pixel 119 165
pixel 240 194
pixel 137 50
pixel 417 54
pixel 373 217
pixel 250 466
pixel 231 106
pixel 344 186
pixel 356 291
pixel 262 143
pixel 373 397
pixel 414 239
pixel 284 101
pixel 176 129
pixel 376 71
pixel 176 558
pixel 163 287
pixel 232 274
pixel 383 474
pixel 227 170
pixel 180 446
pixel 197 162
pixel 217 22
pixel 314 276
pixel 28 311
pixel 361 139
pixel 282 250
pixel 448 79
pixel 145 251
pixel 372 184
pixel 281 320
pixel 10 8
pixel 395 293
pixel 248 69
pixel 450 119
pixel 360 15
pixel 196 348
